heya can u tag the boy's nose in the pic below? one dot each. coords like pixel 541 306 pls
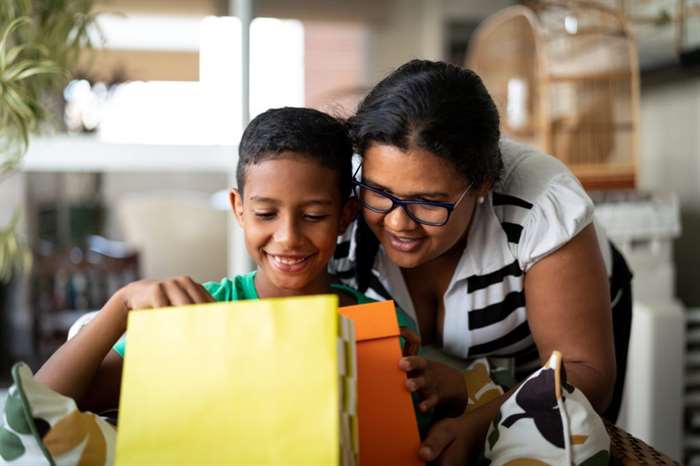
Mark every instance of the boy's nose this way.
pixel 288 233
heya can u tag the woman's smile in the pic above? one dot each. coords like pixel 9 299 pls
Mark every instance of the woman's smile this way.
pixel 404 243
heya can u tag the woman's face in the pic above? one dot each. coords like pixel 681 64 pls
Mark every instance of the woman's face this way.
pixel 416 174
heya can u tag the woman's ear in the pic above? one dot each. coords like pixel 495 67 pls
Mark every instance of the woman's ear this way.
pixel 236 199
pixel 483 190
pixel 347 215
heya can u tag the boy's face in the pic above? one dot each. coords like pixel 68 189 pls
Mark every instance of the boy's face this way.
pixel 291 214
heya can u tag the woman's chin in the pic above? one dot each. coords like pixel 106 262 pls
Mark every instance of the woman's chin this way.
pixel 404 260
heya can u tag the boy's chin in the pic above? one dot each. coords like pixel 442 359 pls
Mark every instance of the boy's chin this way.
pixel 292 285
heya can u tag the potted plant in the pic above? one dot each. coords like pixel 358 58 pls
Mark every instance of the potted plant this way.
pixel 41 42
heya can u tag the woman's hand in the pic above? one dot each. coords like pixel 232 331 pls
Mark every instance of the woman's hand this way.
pixel 152 294
pixel 457 441
pixel 411 342
pixel 436 383
pixel 452 442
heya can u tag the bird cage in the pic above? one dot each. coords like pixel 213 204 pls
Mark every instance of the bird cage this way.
pixel 565 78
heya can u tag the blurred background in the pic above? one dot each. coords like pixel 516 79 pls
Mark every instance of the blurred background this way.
pixel 127 172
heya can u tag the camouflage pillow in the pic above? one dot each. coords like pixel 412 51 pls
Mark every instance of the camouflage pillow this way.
pixel 547 421
pixel 41 427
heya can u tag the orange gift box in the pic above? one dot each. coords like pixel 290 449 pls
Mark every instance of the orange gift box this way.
pixel 387 422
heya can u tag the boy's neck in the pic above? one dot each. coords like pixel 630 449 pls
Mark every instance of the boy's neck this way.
pixel 266 289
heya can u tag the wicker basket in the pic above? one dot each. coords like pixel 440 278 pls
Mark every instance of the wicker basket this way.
pixel 626 450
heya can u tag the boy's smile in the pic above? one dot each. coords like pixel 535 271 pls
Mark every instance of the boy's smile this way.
pixel 291 213
pixel 288 264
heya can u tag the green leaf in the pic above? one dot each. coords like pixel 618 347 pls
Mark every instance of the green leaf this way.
pixel 6 36
pixel 15 414
pixel 41 68
pixel 11 446
pixel 40 44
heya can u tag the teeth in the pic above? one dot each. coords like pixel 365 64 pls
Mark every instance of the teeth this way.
pixel 407 240
pixel 287 260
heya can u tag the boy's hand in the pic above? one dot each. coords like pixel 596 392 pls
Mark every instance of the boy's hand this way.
pixel 152 294
pixel 436 383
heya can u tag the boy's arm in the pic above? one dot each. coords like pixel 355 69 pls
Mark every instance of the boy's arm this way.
pixel 86 368
pixel 87 357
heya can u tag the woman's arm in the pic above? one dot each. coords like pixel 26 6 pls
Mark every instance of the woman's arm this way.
pixel 568 305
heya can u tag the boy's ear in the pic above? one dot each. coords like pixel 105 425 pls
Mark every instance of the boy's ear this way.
pixel 236 204
pixel 347 215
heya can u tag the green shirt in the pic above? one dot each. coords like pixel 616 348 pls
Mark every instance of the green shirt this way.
pixel 242 287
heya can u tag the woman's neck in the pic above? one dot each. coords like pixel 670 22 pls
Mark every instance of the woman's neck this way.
pixel 444 264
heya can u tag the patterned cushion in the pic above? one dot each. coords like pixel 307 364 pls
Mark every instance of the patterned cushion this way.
pixel 41 427
pixel 547 421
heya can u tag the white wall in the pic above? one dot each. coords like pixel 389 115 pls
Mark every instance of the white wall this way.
pixel 670 161
pixel 412 29
pixel 417 29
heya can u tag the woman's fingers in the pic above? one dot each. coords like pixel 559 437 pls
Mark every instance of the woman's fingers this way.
pixel 412 339
pixel 412 363
pixel 429 403
pixel 439 438
pixel 417 383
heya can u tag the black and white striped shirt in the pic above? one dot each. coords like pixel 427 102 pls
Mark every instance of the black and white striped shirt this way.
pixel 536 207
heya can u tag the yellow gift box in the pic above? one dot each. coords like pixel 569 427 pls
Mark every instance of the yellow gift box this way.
pixel 266 382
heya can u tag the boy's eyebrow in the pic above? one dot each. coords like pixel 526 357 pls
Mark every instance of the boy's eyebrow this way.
pixel 320 201
pixel 264 199
pixel 414 195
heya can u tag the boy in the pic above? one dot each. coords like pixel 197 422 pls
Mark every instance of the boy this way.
pixel 293 200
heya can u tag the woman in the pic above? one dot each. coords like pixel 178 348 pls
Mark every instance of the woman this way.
pixel 488 244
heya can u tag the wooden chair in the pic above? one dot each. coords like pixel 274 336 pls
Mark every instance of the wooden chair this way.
pixel 626 450
pixel 68 283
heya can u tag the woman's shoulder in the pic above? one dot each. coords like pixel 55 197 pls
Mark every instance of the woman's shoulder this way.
pixel 528 172
pixel 540 201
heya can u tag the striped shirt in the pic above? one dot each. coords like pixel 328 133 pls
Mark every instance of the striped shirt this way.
pixel 536 207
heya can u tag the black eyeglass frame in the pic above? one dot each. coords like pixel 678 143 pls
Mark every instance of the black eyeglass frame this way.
pixel 404 203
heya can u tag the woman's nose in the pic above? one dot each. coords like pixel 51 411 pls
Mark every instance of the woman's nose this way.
pixel 398 220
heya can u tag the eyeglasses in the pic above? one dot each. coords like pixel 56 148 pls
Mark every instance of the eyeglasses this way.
pixel 433 213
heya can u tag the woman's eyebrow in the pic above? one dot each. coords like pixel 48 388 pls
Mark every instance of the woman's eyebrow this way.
pixel 413 195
